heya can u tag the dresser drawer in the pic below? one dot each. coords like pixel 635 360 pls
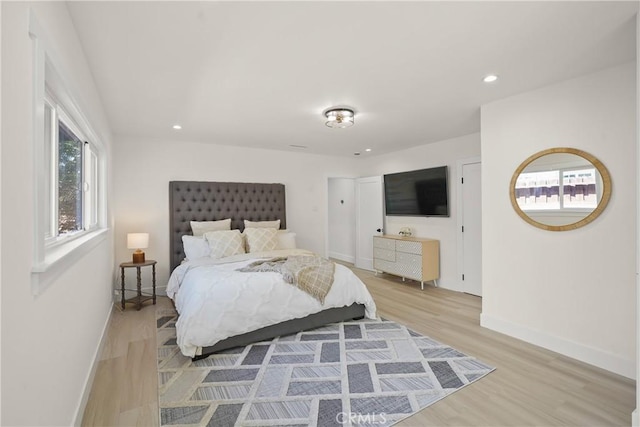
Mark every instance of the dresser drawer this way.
pixel 413 258
pixel 409 265
pixel 409 247
pixel 386 266
pixel 384 254
pixel 382 243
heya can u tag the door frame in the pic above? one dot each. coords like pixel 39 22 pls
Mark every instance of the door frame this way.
pixel 359 230
pixel 460 163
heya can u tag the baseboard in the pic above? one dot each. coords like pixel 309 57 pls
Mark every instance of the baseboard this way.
pixel 77 419
pixel 444 284
pixel 342 257
pixel 590 355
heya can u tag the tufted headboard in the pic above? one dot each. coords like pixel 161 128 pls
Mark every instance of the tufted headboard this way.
pixel 212 201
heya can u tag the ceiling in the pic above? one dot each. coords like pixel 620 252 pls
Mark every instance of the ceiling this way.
pixel 260 74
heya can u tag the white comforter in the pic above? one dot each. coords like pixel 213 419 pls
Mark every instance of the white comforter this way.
pixel 216 302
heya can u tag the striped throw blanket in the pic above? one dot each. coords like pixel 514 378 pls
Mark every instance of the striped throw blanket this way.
pixel 311 274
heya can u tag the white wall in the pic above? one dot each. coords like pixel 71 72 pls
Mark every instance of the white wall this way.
pixel 441 153
pixel 572 292
pixel 146 167
pixel 48 342
pixel 341 232
pixel 0 217
pixel 634 419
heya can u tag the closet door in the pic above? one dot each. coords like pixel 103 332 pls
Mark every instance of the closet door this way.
pixel 369 219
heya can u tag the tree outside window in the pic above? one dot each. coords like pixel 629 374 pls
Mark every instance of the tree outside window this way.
pixel 70 180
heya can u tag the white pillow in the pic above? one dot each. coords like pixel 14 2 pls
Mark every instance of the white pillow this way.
pixel 286 240
pixel 195 247
pixel 224 243
pixel 261 239
pixel 262 224
pixel 200 227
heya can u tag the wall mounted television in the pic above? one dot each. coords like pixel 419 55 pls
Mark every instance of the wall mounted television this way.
pixel 421 192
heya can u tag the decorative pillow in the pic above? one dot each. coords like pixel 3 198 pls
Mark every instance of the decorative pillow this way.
pixel 286 240
pixel 224 243
pixel 195 247
pixel 262 224
pixel 261 239
pixel 201 227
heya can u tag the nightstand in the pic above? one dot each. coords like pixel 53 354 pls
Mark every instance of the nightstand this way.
pixel 139 298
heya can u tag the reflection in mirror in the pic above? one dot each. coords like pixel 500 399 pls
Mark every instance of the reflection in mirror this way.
pixel 560 189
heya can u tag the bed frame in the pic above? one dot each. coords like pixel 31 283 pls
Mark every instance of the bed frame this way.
pixel 212 201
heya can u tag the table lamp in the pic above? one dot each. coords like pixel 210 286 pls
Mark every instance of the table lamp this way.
pixel 138 241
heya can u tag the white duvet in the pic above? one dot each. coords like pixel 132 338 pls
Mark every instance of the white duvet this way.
pixel 216 302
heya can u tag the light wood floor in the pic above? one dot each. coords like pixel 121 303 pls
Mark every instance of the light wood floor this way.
pixel 530 387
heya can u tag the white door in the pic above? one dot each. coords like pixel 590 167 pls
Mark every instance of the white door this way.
pixel 471 229
pixel 369 219
pixel 341 235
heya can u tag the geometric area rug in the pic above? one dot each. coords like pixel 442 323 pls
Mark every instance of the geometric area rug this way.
pixel 356 373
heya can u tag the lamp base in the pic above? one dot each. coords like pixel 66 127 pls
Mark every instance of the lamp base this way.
pixel 138 257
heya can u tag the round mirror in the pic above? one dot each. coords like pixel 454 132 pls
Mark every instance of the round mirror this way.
pixel 560 189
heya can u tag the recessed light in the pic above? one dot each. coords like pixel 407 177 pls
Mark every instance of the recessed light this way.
pixel 490 78
pixel 297 146
pixel 357 153
pixel 177 127
pixel 368 150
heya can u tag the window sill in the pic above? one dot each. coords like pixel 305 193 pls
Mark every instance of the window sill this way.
pixel 62 257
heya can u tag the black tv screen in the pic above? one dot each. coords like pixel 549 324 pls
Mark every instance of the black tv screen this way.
pixel 417 193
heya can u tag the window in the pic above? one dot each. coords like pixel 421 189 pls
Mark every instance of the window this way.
pixel 71 169
pixel 70 160
pixel 70 165
pixel 559 190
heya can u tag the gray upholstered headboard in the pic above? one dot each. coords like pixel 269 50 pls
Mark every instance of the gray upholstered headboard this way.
pixel 212 201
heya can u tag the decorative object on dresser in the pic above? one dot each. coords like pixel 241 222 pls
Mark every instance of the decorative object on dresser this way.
pixel 139 298
pixel 138 241
pixel 405 232
pixel 408 257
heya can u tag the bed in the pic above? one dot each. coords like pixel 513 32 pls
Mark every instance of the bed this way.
pixel 192 282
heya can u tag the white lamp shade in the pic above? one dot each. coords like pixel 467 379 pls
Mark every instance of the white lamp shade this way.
pixel 137 240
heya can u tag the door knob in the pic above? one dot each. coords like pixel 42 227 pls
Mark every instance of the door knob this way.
pixel 379 230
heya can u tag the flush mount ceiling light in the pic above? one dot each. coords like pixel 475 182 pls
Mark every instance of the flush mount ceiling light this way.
pixel 339 117
pixel 490 78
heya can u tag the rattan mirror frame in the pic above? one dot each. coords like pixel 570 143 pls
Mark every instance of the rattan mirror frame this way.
pixel 606 189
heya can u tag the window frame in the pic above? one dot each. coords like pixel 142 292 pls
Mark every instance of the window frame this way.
pixel 53 254
pixel 90 168
pixel 561 184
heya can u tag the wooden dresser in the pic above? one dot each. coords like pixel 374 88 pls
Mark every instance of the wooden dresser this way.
pixel 408 257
